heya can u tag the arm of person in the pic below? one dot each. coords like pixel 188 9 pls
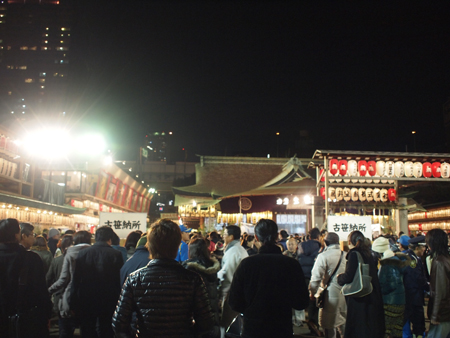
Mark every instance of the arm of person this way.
pixel 124 310
pixel 203 314
pixel 350 270
pixel 317 274
pixel 64 277
pixel 39 283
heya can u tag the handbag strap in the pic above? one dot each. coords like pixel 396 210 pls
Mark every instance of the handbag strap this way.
pixel 334 272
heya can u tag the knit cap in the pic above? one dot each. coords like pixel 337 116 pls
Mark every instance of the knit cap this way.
pixel 53 232
pixel 380 245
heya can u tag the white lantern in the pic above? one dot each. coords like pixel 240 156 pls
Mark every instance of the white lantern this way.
pixel 384 195
pixel 362 194
pixel 368 180
pixel 409 169
pixel 376 195
pixel 381 168
pixel 445 170
pixel 399 169
pixel 331 193
pixel 369 194
pixel 355 195
pixel 347 193
pixel 418 169
pixel 339 194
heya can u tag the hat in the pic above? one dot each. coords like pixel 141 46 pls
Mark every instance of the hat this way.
pixel 184 229
pixel 404 240
pixel 380 245
pixel 388 254
pixel 142 241
pixel 53 232
pixel 419 240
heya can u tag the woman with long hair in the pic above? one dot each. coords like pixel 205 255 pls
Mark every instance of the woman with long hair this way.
pixel 131 242
pixel 365 315
pixel 41 248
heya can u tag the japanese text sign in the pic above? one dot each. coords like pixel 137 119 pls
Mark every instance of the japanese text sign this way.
pixel 124 223
pixel 344 225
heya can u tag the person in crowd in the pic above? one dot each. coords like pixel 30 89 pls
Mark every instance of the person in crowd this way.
pixel 53 239
pixel 233 255
pixel 22 287
pixel 415 284
pixel 183 250
pixel 171 301
pixel 333 315
pixel 140 259
pixel 67 322
pixel 27 235
pixel 365 315
pixel 218 253
pixel 292 248
pixel 96 285
pixel 58 246
pixel 244 241
pixel 438 309
pixel 267 307
pixel 116 245
pixel 282 239
pixel 380 245
pixel 207 266
pixel 252 250
pixel 307 254
pixel 131 242
pixel 40 247
pixel 323 235
pixel 392 269
pixel 56 267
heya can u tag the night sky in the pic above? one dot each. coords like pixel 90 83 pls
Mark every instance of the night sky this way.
pixel 224 77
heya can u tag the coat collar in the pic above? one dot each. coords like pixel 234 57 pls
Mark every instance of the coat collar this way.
pixel 269 249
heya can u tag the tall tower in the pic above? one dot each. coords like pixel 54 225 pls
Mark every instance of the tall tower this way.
pixel 34 57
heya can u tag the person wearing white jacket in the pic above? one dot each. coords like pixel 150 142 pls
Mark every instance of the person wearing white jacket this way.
pixel 232 257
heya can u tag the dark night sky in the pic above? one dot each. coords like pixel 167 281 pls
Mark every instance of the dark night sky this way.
pixel 225 76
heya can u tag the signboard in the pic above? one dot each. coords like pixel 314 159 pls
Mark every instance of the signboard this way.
pixel 124 223
pixel 173 216
pixel 344 225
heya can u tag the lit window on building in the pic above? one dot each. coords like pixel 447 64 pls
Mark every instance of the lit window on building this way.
pixel 42 75
pixel 41 80
pixel 44 48
pixel 23 67
pixel 29 80
pixel 24 48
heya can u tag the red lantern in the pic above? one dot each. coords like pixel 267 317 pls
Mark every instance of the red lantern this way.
pixel 392 194
pixel 372 168
pixel 323 176
pixel 322 192
pixel 436 169
pixel 343 165
pixel 334 166
pixel 427 171
pixel 362 168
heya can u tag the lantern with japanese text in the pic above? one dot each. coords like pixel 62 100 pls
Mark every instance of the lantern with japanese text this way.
pixel 376 195
pixel 347 180
pixel 445 170
pixel 347 193
pixel 399 169
pixel 343 167
pixel 409 169
pixel 376 179
pixel 384 195
pixel 362 168
pixel 322 192
pixel 389 169
pixel 362 194
pixel 334 166
pixel 392 194
pixel 369 194
pixel 339 194
pixel 352 167
pixel 355 195
pixel 427 171
pixel 418 169
pixel 331 193
pixel 381 165
pixel 372 168
pixel 368 180
pixel 436 169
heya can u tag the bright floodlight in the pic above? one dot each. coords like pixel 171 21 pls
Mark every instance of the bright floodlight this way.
pixel 47 143
pixel 90 144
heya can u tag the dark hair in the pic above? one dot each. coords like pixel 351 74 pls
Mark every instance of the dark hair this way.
pixel 132 239
pixel 115 240
pixel 198 248
pixel 284 234
pixel 234 230
pixel 357 239
pixel 332 238
pixel 104 234
pixel 66 241
pixel 163 239
pixel 214 236
pixel 26 229
pixel 250 238
pixel 437 241
pixel 40 241
pixel 82 237
pixel 266 230
pixel 9 227
pixel 314 233
pixel 69 232
pixel 323 232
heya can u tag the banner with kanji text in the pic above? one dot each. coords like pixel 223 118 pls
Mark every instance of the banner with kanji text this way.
pixel 344 225
pixel 124 223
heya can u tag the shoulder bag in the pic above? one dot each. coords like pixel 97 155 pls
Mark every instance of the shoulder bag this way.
pixel 321 293
pixel 362 282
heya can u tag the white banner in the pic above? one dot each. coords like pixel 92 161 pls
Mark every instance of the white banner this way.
pixel 344 225
pixel 124 223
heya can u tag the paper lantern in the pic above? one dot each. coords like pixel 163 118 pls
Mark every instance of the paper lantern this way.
pixel 331 193
pixel 362 194
pixel 372 168
pixel 330 177
pixel 376 179
pixel 367 179
pixel 343 165
pixel 339 194
pixel 322 192
pixel 347 180
pixel 347 193
pixel 384 195
pixel 354 194
pixel 418 169
pixel 352 167
pixel 376 195
pixel 369 194
pixel 399 169
pixel 409 169
pixel 334 166
pixel 381 168
pixel 323 177
pixel 445 170
pixel 427 171
pixel 362 168
pixel 338 179
pixel 392 195
pixel 389 169
pixel 362 180
pixel 436 169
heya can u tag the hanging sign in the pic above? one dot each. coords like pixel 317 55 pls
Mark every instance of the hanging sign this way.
pixel 369 194
pixel 344 225
pixel 409 169
pixel 347 194
pixel 124 223
pixel 354 194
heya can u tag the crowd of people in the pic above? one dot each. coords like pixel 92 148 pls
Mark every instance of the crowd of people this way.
pixel 172 282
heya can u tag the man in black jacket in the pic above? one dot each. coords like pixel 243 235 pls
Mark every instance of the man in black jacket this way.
pixel 22 285
pixel 267 286
pixel 96 285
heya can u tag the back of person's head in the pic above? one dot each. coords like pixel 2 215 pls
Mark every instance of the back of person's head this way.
pixel 250 238
pixel 132 239
pixel 26 229
pixel 314 233
pixel 40 241
pixel 82 237
pixel 332 238
pixel 357 239
pixel 104 234
pixel 437 241
pixel 284 234
pixel 266 231
pixel 9 228
pixel 323 232
pixel 69 232
pixel 163 239
pixel 235 231
pixel 214 236
pixel 115 240
pixel 66 241
pixel 198 248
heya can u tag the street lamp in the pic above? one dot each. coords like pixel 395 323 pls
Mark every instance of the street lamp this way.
pixel 414 138
pixel 278 134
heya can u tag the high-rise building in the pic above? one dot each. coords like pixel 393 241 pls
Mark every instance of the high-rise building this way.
pixel 156 146
pixel 35 40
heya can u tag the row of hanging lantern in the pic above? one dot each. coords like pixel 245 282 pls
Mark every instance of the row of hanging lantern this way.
pixel 372 169
pixel 361 194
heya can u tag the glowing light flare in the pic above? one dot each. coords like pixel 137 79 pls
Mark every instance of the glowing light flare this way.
pixel 47 143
